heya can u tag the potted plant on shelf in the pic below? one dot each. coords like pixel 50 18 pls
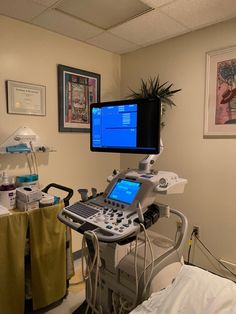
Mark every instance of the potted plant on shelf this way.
pixel 152 89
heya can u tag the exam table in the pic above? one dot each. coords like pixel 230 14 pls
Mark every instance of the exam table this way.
pixel 48 262
pixel 194 291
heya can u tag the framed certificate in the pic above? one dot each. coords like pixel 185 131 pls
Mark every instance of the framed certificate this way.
pixel 25 98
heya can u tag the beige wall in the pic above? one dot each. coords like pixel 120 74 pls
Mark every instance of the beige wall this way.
pixel 208 164
pixel 30 54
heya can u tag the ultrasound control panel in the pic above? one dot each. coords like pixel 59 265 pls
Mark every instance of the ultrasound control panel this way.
pixel 117 213
pixel 108 220
pixel 111 214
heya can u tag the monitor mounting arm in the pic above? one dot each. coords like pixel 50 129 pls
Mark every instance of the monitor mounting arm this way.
pixel 149 160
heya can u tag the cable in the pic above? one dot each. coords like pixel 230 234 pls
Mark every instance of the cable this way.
pixel 36 163
pixel 213 255
pixel 87 274
pixel 28 161
pixel 190 246
pixel 152 262
pixel 123 303
pixel 33 158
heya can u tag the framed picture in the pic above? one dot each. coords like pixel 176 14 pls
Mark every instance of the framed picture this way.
pixel 220 98
pixel 77 89
pixel 26 98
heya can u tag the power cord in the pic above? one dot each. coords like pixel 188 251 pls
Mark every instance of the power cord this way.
pixel 193 234
pixel 197 238
pixel 190 241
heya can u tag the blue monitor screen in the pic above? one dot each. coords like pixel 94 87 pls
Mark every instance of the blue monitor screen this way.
pixel 115 124
pixel 126 126
pixel 124 191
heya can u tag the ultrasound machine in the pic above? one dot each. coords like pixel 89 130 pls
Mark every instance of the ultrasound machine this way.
pixel 123 254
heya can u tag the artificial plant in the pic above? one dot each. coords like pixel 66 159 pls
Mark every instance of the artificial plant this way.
pixel 153 89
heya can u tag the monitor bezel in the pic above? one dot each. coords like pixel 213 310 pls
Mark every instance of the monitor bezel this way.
pixel 127 102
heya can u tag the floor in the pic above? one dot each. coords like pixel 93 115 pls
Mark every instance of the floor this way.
pixel 76 294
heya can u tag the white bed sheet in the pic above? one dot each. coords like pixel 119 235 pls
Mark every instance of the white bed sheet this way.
pixel 194 291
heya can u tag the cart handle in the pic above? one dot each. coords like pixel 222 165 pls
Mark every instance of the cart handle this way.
pixel 60 187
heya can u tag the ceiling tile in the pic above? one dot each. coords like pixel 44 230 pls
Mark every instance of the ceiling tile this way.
pixel 156 3
pixel 66 25
pixel 112 43
pixel 22 10
pixel 148 28
pixel 196 14
pixel 168 19
pixel 103 13
pixel 46 3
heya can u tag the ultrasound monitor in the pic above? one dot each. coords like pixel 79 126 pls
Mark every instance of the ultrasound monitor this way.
pixel 124 191
pixel 126 126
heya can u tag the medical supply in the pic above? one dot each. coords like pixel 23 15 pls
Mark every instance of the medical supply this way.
pixel 20 148
pixel 7 192
pixel 26 180
pixel 22 206
pixel 28 194
pixel 48 200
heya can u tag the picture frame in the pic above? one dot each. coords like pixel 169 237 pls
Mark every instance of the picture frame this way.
pixel 77 89
pixel 220 94
pixel 25 98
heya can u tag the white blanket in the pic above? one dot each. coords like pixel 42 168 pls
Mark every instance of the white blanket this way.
pixel 194 291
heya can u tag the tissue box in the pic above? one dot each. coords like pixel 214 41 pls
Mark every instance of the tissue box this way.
pixel 28 194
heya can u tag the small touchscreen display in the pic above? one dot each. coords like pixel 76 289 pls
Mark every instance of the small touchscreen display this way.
pixel 124 191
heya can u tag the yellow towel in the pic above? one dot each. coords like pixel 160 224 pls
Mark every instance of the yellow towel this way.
pixel 48 256
pixel 13 230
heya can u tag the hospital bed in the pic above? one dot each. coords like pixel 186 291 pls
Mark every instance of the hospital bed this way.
pixel 194 290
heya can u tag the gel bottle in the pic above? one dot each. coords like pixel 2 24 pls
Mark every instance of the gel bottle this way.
pixel 7 193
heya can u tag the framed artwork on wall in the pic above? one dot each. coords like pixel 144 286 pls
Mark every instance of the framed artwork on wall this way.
pixel 220 97
pixel 77 89
pixel 26 98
